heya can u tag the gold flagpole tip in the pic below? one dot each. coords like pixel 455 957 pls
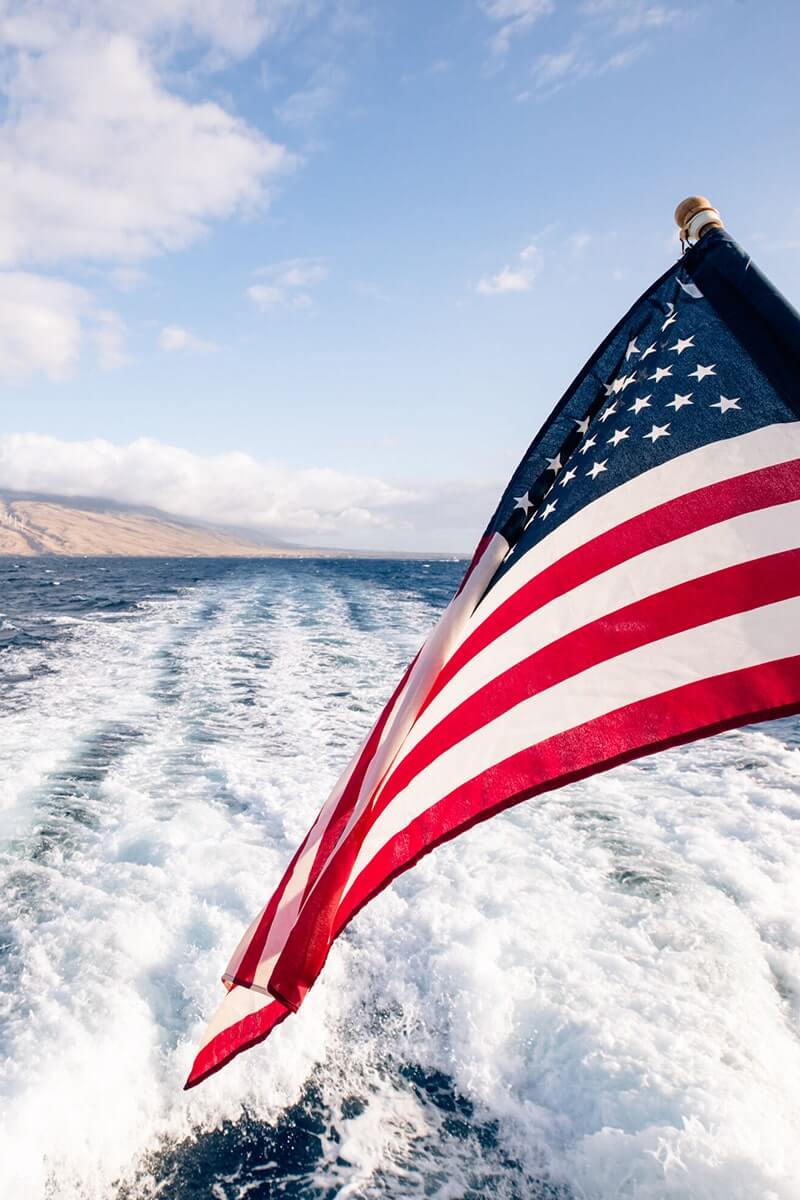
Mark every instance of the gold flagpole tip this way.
pixel 694 216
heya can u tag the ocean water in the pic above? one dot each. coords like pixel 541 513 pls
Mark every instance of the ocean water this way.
pixel 594 996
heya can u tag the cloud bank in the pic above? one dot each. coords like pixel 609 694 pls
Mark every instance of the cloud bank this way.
pixel 316 506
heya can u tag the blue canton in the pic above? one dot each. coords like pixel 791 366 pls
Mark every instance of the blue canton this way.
pixel 683 369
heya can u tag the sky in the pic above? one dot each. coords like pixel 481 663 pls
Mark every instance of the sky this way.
pixel 322 267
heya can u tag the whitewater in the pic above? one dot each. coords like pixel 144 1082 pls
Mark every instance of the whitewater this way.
pixel 595 995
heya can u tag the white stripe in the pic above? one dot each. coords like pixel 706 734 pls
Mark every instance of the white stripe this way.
pixel 239 1003
pixel 752 535
pixel 404 710
pixel 293 892
pixel 289 904
pixel 435 652
pixel 736 642
pixel 696 469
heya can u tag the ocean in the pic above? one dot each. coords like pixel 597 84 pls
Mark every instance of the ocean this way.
pixel 595 995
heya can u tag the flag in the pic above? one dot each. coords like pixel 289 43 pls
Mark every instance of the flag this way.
pixel 638 587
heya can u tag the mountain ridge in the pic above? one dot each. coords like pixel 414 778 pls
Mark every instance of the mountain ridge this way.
pixel 34 524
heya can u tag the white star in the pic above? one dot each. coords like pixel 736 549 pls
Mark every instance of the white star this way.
pixel 632 349
pixel 683 344
pixel 587 445
pixel 639 403
pixel 680 401
pixel 658 431
pixel 619 436
pixel 661 373
pixel 523 502
pixel 671 317
pixel 597 469
pixel 700 372
pixel 583 425
pixel 554 464
pixel 619 384
pixel 568 477
pixel 651 349
pixel 551 507
pixel 725 403
pixel 612 408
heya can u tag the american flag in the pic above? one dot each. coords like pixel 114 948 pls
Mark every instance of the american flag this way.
pixel 637 587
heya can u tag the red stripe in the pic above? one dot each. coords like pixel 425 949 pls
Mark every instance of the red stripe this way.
pixel 338 823
pixel 350 795
pixel 245 973
pixel 684 714
pixel 665 523
pixel 686 605
pixel 231 1041
pixel 251 958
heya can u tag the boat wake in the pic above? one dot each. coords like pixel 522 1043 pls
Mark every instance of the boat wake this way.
pixel 594 995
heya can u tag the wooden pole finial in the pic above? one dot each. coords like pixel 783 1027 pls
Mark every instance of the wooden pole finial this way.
pixel 695 216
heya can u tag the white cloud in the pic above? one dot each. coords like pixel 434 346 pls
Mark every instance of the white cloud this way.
pixel 514 17
pixel 551 68
pixel 40 325
pixel 108 336
pixel 517 278
pixel 579 241
pixel 287 283
pixel 595 49
pixel 99 161
pixel 310 103
pixel 633 16
pixel 315 506
pixel 230 489
pixel 265 295
pixel 296 272
pixel 235 27
pixel 128 279
pixel 173 337
pixel 44 323
pixel 623 58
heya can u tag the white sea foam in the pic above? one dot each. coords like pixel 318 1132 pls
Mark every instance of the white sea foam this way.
pixel 600 989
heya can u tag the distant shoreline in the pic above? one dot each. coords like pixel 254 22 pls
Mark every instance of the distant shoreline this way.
pixel 320 555
pixel 36 526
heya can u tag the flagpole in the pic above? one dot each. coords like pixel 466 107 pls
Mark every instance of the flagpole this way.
pixel 695 216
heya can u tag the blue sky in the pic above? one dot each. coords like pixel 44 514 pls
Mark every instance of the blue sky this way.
pixel 323 267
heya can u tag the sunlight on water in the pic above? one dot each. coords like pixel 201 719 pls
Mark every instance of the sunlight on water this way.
pixel 595 995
